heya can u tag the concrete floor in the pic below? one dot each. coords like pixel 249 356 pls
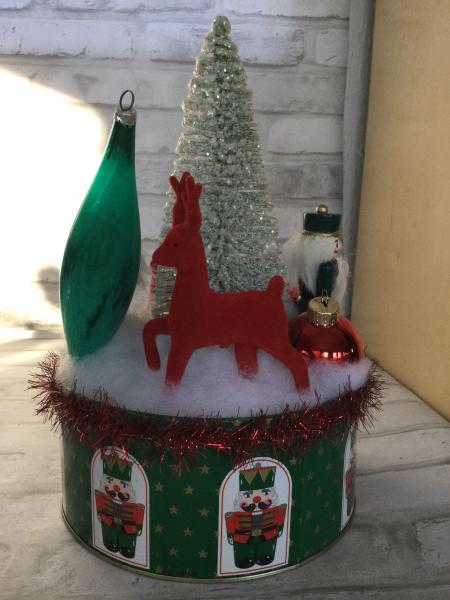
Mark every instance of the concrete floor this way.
pixel 398 546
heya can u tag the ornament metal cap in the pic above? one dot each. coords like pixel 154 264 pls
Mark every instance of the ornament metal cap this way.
pixel 125 113
pixel 323 311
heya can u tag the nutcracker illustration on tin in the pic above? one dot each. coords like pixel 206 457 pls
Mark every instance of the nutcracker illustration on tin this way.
pixel 254 514
pixel 120 506
pixel 348 481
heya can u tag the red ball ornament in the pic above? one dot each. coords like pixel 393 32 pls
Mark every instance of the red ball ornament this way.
pixel 321 333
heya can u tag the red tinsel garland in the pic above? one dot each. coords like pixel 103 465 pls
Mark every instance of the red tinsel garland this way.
pixel 100 422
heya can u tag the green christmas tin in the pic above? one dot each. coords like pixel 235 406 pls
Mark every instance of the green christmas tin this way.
pixel 211 520
pixel 198 497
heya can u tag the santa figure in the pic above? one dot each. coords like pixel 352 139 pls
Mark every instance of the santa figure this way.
pixel 314 259
pixel 120 516
pixel 257 520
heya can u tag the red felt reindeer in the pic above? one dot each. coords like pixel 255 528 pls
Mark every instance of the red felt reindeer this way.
pixel 200 317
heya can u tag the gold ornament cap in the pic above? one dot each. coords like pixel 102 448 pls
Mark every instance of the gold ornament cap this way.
pixel 323 311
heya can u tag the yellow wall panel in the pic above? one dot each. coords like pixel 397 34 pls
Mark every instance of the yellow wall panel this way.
pixel 401 295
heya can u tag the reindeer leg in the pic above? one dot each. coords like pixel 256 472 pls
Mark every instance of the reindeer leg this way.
pixel 176 363
pixel 153 328
pixel 295 362
pixel 246 358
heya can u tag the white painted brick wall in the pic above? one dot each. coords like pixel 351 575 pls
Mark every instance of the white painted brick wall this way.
pixel 331 47
pixel 305 134
pixel 295 52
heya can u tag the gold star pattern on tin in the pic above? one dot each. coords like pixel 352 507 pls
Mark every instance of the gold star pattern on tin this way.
pixel 173 551
pixel 187 532
pixel 308 515
pixel 319 491
pixel 320 451
pixel 202 553
pixel 317 530
pixel 328 467
pixel 159 528
pixel 325 543
pixel 159 487
pixel 293 461
pixel 189 490
pixel 293 501
pixel 326 505
pixel 146 462
pixel 158 569
pixel 204 512
pixel 173 509
pixel 204 469
pixel 306 554
pixel 88 504
pixel 237 422
pixel 310 476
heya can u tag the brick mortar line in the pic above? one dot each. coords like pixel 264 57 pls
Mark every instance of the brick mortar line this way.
pixel 411 516
pixel 442 462
pixel 289 156
pixel 161 66
pixel 441 425
pixel 277 200
pixel 404 400
pixel 182 16
pixel 290 589
pixel 267 113
pixel 387 433
pixel 377 587
pixel 293 160
pixel 140 55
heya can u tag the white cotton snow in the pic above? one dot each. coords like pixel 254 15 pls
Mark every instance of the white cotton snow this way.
pixel 211 385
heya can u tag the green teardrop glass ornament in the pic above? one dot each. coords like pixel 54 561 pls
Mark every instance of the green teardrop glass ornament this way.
pixel 102 256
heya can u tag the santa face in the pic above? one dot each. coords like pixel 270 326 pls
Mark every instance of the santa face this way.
pixel 118 489
pixel 252 500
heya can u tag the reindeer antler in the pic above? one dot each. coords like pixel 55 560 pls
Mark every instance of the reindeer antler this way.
pixel 178 210
pixel 190 194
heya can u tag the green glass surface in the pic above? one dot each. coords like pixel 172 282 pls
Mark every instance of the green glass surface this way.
pixel 101 260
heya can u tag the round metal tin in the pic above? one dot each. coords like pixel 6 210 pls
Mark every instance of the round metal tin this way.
pixel 213 521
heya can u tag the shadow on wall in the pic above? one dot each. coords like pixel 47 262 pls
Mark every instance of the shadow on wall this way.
pixel 48 281
pixel 43 184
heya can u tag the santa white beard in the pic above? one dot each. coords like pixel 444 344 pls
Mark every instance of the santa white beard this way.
pixel 303 255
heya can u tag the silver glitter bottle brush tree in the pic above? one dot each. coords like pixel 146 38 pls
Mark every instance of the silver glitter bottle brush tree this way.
pixel 219 146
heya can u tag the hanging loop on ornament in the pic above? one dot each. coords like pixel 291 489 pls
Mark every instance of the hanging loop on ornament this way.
pixel 126 108
pixel 125 113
